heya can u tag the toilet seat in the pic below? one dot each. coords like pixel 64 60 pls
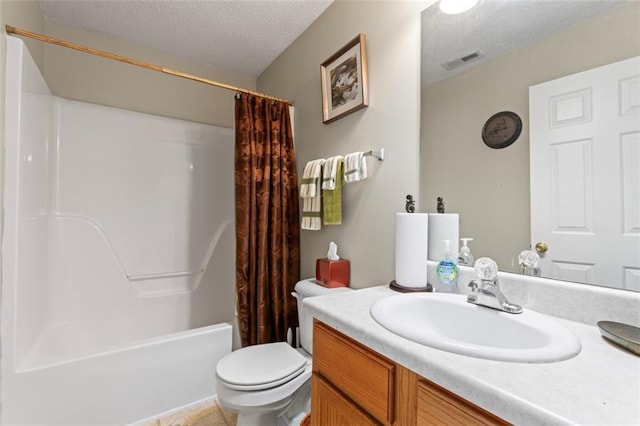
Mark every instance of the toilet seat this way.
pixel 260 367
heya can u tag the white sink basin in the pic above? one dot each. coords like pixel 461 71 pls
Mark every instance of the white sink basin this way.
pixel 448 322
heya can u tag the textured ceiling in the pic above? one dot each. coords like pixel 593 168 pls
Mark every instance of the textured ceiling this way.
pixel 495 27
pixel 244 36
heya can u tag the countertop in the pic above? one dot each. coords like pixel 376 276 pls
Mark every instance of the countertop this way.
pixel 601 385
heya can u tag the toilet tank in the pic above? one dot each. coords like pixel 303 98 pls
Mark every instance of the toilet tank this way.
pixel 309 288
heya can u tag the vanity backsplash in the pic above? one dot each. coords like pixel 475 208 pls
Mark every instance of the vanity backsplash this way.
pixel 577 302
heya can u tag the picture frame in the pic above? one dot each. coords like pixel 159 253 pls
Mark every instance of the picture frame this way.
pixel 344 80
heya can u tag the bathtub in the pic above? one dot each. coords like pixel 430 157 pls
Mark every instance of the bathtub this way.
pixel 119 386
pixel 118 259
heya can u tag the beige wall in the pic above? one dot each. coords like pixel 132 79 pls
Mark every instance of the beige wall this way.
pixel 24 14
pixel 490 188
pixel 392 29
pixel 80 76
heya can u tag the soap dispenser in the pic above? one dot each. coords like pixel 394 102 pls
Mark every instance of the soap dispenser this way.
pixel 465 257
pixel 447 271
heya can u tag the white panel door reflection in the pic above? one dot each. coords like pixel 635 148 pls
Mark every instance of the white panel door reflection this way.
pixel 585 175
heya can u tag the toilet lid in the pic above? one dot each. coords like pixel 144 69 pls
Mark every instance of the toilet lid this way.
pixel 260 366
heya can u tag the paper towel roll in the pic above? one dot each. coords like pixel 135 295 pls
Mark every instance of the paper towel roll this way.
pixel 411 249
pixel 443 226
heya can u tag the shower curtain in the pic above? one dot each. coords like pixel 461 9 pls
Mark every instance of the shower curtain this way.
pixel 267 229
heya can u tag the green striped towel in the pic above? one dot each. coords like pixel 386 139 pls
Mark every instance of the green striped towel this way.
pixel 332 199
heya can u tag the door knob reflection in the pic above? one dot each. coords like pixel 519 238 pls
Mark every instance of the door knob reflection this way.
pixel 541 247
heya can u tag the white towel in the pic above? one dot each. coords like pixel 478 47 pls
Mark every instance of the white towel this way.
pixel 355 167
pixel 310 194
pixel 329 173
pixel 311 178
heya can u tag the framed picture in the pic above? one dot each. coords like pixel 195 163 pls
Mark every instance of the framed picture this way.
pixel 344 80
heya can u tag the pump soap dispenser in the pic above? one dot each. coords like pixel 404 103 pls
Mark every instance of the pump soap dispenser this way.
pixel 447 271
pixel 465 257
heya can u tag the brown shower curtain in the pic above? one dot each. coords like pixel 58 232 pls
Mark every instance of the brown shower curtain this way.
pixel 267 230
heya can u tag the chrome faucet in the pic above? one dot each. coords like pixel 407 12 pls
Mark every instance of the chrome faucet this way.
pixel 486 291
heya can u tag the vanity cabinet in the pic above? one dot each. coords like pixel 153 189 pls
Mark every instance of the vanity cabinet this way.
pixel 438 406
pixel 354 385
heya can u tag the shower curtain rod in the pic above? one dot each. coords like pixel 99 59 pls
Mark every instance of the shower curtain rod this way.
pixel 102 53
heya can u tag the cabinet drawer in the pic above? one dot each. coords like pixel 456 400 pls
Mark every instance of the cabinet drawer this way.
pixel 438 406
pixel 365 377
pixel 331 408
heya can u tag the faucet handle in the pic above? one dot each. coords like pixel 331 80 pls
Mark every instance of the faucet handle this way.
pixel 486 269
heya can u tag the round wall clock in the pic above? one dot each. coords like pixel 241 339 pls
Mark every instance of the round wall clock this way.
pixel 501 129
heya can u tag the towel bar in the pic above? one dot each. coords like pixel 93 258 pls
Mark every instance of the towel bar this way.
pixel 378 153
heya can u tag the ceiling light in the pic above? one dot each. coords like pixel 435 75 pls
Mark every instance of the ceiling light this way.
pixel 451 7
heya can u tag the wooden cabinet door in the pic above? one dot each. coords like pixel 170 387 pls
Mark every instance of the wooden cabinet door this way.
pixel 330 408
pixel 438 406
pixel 364 376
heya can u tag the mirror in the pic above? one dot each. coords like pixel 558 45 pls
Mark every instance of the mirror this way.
pixel 495 52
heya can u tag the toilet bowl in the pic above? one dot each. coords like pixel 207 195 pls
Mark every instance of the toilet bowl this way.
pixel 270 384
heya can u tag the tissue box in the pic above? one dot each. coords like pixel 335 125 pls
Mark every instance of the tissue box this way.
pixel 333 273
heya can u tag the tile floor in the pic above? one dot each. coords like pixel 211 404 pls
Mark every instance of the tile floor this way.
pixel 206 414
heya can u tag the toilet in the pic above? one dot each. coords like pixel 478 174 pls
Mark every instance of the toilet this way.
pixel 270 384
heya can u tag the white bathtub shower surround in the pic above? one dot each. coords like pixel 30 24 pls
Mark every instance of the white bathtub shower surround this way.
pixel 118 257
pixel 121 386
